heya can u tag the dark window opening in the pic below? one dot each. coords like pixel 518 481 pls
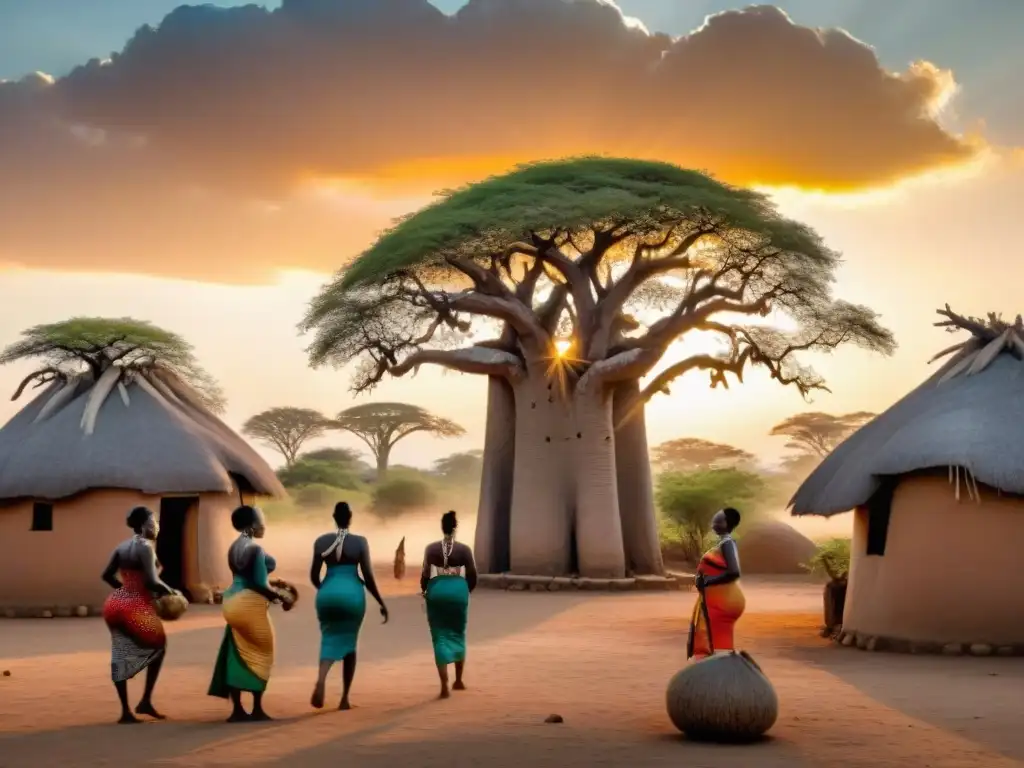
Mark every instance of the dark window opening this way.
pixel 42 516
pixel 879 509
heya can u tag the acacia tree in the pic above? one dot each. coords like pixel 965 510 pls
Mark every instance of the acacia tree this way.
pixel 585 270
pixel 691 454
pixel 382 425
pixel 814 433
pixel 103 354
pixel 287 429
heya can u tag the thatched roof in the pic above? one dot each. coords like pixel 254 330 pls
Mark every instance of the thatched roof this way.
pixel 145 430
pixel 968 418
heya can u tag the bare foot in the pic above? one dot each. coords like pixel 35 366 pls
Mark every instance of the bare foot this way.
pixel 444 694
pixel 317 699
pixel 260 716
pixel 145 708
pixel 128 719
pixel 239 717
pixel 459 686
pixel 344 704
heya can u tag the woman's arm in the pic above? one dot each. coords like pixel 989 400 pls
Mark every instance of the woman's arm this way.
pixel 425 571
pixel 260 576
pixel 471 574
pixel 110 574
pixel 316 567
pixel 153 581
pixel 732 566
pixel 367 568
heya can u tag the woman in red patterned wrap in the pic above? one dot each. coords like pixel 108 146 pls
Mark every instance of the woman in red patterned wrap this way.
pixel 137 635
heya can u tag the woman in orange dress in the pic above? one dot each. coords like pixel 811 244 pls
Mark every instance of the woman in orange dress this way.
pixel 720 601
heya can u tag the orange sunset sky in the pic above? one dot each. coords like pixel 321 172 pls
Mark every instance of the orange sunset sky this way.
pixel 211 172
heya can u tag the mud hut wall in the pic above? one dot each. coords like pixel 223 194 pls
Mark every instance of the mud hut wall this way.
pixel 950 571
pixel 215 536
pixel 62 567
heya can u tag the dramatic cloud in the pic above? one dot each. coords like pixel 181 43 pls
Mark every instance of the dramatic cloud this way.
pixel 184 153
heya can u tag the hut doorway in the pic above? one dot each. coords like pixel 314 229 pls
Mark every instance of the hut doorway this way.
pixel 172 543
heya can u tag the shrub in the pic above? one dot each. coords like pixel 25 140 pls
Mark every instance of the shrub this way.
pixel 305 472
pixel 832 560
pixel 318 495
pixel 401 494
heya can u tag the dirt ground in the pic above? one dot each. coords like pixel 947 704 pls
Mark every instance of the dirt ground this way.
pixel 600 661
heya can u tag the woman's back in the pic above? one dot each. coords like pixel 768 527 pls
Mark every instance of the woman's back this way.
pixel 337 550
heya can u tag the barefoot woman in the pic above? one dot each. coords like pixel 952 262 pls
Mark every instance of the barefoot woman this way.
pixel 720 601
pixel 137 635
pixel 247 651
pixel 340 601
pixel 449 575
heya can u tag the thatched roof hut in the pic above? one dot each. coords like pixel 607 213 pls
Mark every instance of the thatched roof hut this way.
pixel 84 451
pixel 936 482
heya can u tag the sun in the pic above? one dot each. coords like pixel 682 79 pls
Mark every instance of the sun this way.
pixel 562 347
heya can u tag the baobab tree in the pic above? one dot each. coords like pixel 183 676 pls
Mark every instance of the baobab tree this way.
pixel 586 270
pixel 287 429
pixel 101 353
pixel 382 425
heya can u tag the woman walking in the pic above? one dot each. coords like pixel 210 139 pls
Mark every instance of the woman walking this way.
pixel 448 577
pixel 137 635
pixel 340 600
pixel 720 601
pixel 247 650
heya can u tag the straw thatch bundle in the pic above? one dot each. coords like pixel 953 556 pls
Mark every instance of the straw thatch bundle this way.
pixel 140 427
pixel 967 417
pixel 724 698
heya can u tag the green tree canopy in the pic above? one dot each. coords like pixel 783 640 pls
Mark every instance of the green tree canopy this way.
pixel 582 248
pixel 689 454
pixel 382 425
pixel 287 429
pixel 692 498
pixel 91 345
pixel 461 468
pixel 303 472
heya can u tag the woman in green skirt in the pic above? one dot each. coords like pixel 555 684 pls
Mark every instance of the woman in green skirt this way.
pixel 340 601
pixel 449 575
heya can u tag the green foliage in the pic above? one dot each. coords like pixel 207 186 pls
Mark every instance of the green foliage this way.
pixel 342 457
pixel 95 343
pixel 688 500
pixel 289 508
pixel 832 559
pixel 318 495
pixel 305 472
pixel 569 194
pixel 401 494
pixel 460 469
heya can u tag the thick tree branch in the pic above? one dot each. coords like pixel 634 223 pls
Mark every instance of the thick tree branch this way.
pixel 477 359
pixel 44 376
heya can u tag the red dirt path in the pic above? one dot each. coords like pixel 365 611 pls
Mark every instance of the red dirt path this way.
pixel 600 661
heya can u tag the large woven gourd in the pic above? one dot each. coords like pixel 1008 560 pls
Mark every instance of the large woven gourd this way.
pixel 724 697
pixel 170 607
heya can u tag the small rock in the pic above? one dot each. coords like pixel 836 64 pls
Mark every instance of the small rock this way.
pixel 862 641
pixel 871 644
pixel 849 639
pixel 981 649
pixel 952 649
pixel 554 719
pixel 517 586
pixel 7 673
pixel 82 611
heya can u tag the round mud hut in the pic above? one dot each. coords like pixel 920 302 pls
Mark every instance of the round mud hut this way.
pixel 90 447
pixel 772 547
pixel 936 484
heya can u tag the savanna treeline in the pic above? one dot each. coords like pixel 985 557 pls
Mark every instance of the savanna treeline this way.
pixel 696 477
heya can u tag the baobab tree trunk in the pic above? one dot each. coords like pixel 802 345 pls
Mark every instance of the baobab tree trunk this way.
pixel 540 529
pixel 598 525
pixel 493 514
pixel 636 492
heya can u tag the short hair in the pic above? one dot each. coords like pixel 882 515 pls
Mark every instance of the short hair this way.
pixel 449 522
pixel 732 517
pixel 243 517
pixel 138 517
pixel 342 514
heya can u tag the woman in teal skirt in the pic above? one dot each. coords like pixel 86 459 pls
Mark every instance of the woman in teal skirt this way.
pixel 449 575
pixel 340 600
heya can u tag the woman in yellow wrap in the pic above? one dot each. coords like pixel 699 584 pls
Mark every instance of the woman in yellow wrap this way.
pixel 720 601
pixel 247 651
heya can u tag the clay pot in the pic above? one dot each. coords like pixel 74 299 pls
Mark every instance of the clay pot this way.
pixel 723 698
pixel 171 607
